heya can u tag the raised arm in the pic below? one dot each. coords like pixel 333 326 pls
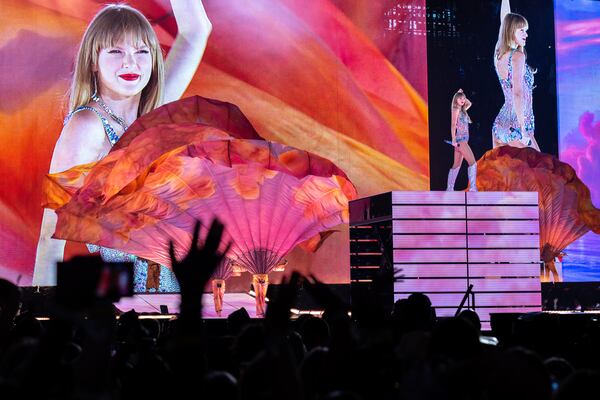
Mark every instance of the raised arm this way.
pixel 193 29
pixel 468 104
pixel 504 9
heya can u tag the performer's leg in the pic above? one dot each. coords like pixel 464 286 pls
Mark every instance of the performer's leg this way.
pixel 472 172
pixel 453 173
pixel 458 158
pixel 467 153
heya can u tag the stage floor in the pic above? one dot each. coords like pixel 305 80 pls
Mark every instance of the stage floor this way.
pixel 150 303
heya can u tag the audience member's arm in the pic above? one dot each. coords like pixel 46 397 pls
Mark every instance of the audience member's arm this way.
pixel 186 346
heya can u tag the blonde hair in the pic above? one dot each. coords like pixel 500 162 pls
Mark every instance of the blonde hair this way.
pixel 506 37
pixel 113 23
pixel 460 94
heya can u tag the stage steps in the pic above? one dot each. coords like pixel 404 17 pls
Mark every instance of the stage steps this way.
pixel 441 242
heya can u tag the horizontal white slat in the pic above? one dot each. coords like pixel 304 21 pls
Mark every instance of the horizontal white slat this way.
pixel 533 299
pixel 508 299
pixel 431 285
pixel 399 197
pixel 429 226
pixel 502 198
pixel 505 241
pixel 432 241
pixel 504 270
pixel 427 212
pixel 503 226
pixel 437 299
pixel 506 284
pixel 505 255
pixel 505 212
pixel 424 256
pixel 431 270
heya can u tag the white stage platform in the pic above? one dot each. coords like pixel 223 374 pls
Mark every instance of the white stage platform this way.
pixel 150 303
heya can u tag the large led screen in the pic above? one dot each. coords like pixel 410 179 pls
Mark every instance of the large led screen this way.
pixel 345 79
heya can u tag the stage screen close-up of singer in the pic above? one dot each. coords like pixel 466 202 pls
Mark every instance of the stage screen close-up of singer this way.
pixel 345 80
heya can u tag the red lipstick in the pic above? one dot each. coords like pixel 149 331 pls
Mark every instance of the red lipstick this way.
pixel 129 77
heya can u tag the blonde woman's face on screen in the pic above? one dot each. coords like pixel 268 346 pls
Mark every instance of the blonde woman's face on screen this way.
pixel 124 69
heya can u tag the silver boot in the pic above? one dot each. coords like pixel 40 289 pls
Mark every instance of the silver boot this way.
pixel 472 171
pixel 452 174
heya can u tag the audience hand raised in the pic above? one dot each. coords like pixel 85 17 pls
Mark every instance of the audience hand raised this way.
pixel 195 269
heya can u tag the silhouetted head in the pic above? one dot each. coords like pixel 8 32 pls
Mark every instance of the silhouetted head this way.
pixel 581 385
pixel 315 332
pixel 420 315
pixel 10 301
pixel 315 373
pixel 220 385
pixel 249 343
pixel 237 320
pixel 455 339
pixel 342 395
pixel 559 370
pixel 472 317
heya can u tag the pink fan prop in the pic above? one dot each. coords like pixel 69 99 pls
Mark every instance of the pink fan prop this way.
pixel 270 197
pixel 566 209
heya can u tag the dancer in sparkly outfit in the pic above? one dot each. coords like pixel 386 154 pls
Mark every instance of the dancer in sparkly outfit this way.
pixel 514 125
pixel 119 75
pixel 460 140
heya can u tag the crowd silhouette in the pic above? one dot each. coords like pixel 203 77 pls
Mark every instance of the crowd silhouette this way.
pixel 365 354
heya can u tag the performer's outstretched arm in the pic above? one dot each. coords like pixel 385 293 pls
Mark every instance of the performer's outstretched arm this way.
pixel 504 9
pixel 193 30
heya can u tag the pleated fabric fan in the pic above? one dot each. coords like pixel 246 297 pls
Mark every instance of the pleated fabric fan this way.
pixel 566 210
pixel 269 196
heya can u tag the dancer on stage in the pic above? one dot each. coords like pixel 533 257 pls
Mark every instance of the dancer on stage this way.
pixel 514 125
pixel 119 75
pixel 459 130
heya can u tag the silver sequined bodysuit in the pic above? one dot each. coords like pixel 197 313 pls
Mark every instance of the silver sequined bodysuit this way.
pixel 168 283
pixel 506 125
pixel 462 127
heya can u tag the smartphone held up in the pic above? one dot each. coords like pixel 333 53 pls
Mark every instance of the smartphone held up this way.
pixel 84 281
